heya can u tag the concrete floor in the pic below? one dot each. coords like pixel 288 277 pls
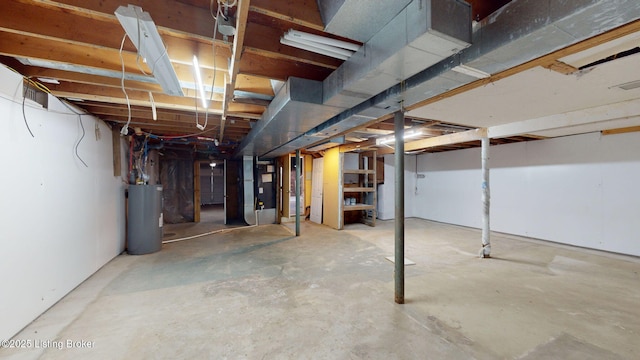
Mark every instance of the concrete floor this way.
pixel 260 292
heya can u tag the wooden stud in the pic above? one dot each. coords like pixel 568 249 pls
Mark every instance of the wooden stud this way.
pixel 117 159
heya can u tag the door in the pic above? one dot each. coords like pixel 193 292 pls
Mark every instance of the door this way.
pixel 316 190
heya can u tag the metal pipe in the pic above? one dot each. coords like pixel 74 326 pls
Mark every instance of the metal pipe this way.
pixel 398 123
pixel 486 200
pixel 298 192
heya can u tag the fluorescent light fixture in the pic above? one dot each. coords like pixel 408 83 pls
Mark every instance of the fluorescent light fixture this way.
pixel 154 112
pixel 196 70
pixel 319 44
pixel 49 80
pixel 294 34
pixel 467 70
pixel 387 140
pixel 142 31
pixel 312 49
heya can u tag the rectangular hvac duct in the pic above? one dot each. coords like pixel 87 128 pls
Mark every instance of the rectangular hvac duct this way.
pixel 358 19
pixel 421 35
pixel 295 109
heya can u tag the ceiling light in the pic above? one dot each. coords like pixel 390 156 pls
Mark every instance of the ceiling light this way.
pixel 390 139
pixel 319 44
pixel 154 111
pixel 312 49
pixel 467 70
pixel 142 31
pixel 49 81
pixel 196 70
pixel 323 40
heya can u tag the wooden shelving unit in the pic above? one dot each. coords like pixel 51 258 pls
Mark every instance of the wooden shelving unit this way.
pixel 364 191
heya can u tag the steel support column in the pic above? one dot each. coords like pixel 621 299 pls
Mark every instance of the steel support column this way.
pixel 298 192
pixel 399 213
pixel 486 200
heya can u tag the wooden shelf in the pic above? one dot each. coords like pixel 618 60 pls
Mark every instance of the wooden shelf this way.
pixel 358 207
pixel 359 189
pixel 358 171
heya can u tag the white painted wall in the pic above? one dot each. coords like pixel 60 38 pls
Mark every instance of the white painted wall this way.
pixel 61 221
pixel 580 190
pixel 386 191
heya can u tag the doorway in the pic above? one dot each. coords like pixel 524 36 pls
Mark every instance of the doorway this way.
pixel 212 192
pixel 292 185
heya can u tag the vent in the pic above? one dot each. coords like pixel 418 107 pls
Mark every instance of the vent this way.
pixel 629 86
pixel 36 95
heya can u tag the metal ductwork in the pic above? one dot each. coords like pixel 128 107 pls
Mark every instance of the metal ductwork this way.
pixel 358 19
pixel 419 36
pixel 519 32
pixel 526 29
pixel 296 108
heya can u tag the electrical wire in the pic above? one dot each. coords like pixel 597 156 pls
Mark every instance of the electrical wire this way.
pixel 211 10
pixel 63 101
pixel 79 141
pixel 125 129
pixel 215 65
pixel 24 116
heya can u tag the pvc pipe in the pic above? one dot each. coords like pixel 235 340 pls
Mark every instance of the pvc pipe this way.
pixel 485 252
pixel 398 123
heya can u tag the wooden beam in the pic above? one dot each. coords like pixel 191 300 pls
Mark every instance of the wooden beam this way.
pixel 176 17
pixel 236 54
pixel 88 79
pixel 560 67
pixel 449 139
pixel 279 69
pixel 303 13
pixel 50 49
pixel 621 130
pixel 357 146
